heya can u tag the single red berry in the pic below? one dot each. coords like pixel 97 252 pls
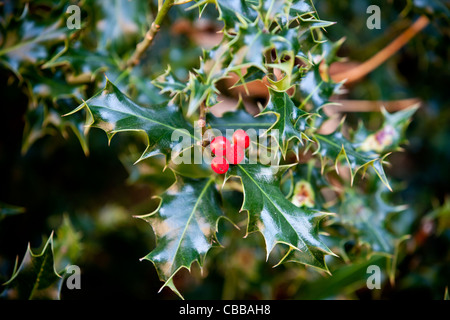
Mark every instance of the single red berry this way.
pixel 241 138
pixel 219 165
pixel 220 145
pixel 235 154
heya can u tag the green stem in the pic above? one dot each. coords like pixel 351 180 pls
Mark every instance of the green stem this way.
pixel 122 76
pixel 150 35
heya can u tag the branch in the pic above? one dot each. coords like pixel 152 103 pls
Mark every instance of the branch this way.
pixel 368 66
pixel 142 46
pixel 340 106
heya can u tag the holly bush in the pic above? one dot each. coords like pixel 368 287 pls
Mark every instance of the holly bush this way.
pixel 218 109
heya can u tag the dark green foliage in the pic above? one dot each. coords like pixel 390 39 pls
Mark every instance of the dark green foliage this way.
pixel 328 201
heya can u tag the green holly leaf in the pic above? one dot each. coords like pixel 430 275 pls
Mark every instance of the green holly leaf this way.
pixel 27 39
pixel 85 65
pixel 278 219
pixel 145 92
pixel 67 244
pixel 199 93
pixel 346 278
pixel 336 147
pixel 121 23
pixel 168 83
pixel 251 74
pixel 315 90
pixel 390 136
pixel 248 47
pixel 300 8
pixel 45 119
pixel 240 119
pixel 369 215
pixel 442 216
pixel 185 224
pixel 36 277
pixel 288 119
pixel 236 12
pixel 313 257
pixel 112 111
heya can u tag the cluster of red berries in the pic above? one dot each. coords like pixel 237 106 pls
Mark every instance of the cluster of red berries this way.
pixel 227 153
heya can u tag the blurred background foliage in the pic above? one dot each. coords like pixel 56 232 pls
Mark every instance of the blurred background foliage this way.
pixel 56 177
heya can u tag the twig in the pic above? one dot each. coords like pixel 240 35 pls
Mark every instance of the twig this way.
pixel 150 35
pixel 202 117
pixel 371 64
pixel 340 105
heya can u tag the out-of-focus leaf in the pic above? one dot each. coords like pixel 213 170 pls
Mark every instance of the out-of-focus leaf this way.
pixel 370 214
pixel 122 24
pixel 46 119
pixel 9 210
pixel 345 280
pixel 336 147
pixel 389 136
pixel 27 41
pixel 84 63
pixel 234 12
pixel 36 277
pixel 168 83
pixel 240 119
pixel 67 244
pixel 249 47
pixel 442 216
pixel 433 7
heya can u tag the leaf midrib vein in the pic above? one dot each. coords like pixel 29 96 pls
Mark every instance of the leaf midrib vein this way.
pixel 148 119
pixel 190 217
pixel 267 196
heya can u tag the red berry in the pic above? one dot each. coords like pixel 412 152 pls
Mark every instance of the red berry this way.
pixel 235 154
pixel 219 165
pixel 220 145
pixel 241 138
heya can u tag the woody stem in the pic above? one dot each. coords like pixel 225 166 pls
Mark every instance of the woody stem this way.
pixel 142 46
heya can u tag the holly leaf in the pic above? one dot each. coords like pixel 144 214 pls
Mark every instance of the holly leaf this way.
pixel 249 46
pixel 185 224
pixel 240 119
pixel 168 83
pixel 336 147
pixel 278 219
pixel 84 64
pixel 316 90
pixel 389 136
pixel 36 277
pixel 236 12
pixel 313 258
pixel 199 92
pixel 112 111
pixel 121 23
pixel 288 117
pixel 299 8
pixel 370 214
pixel 67 245
pixel 27 40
